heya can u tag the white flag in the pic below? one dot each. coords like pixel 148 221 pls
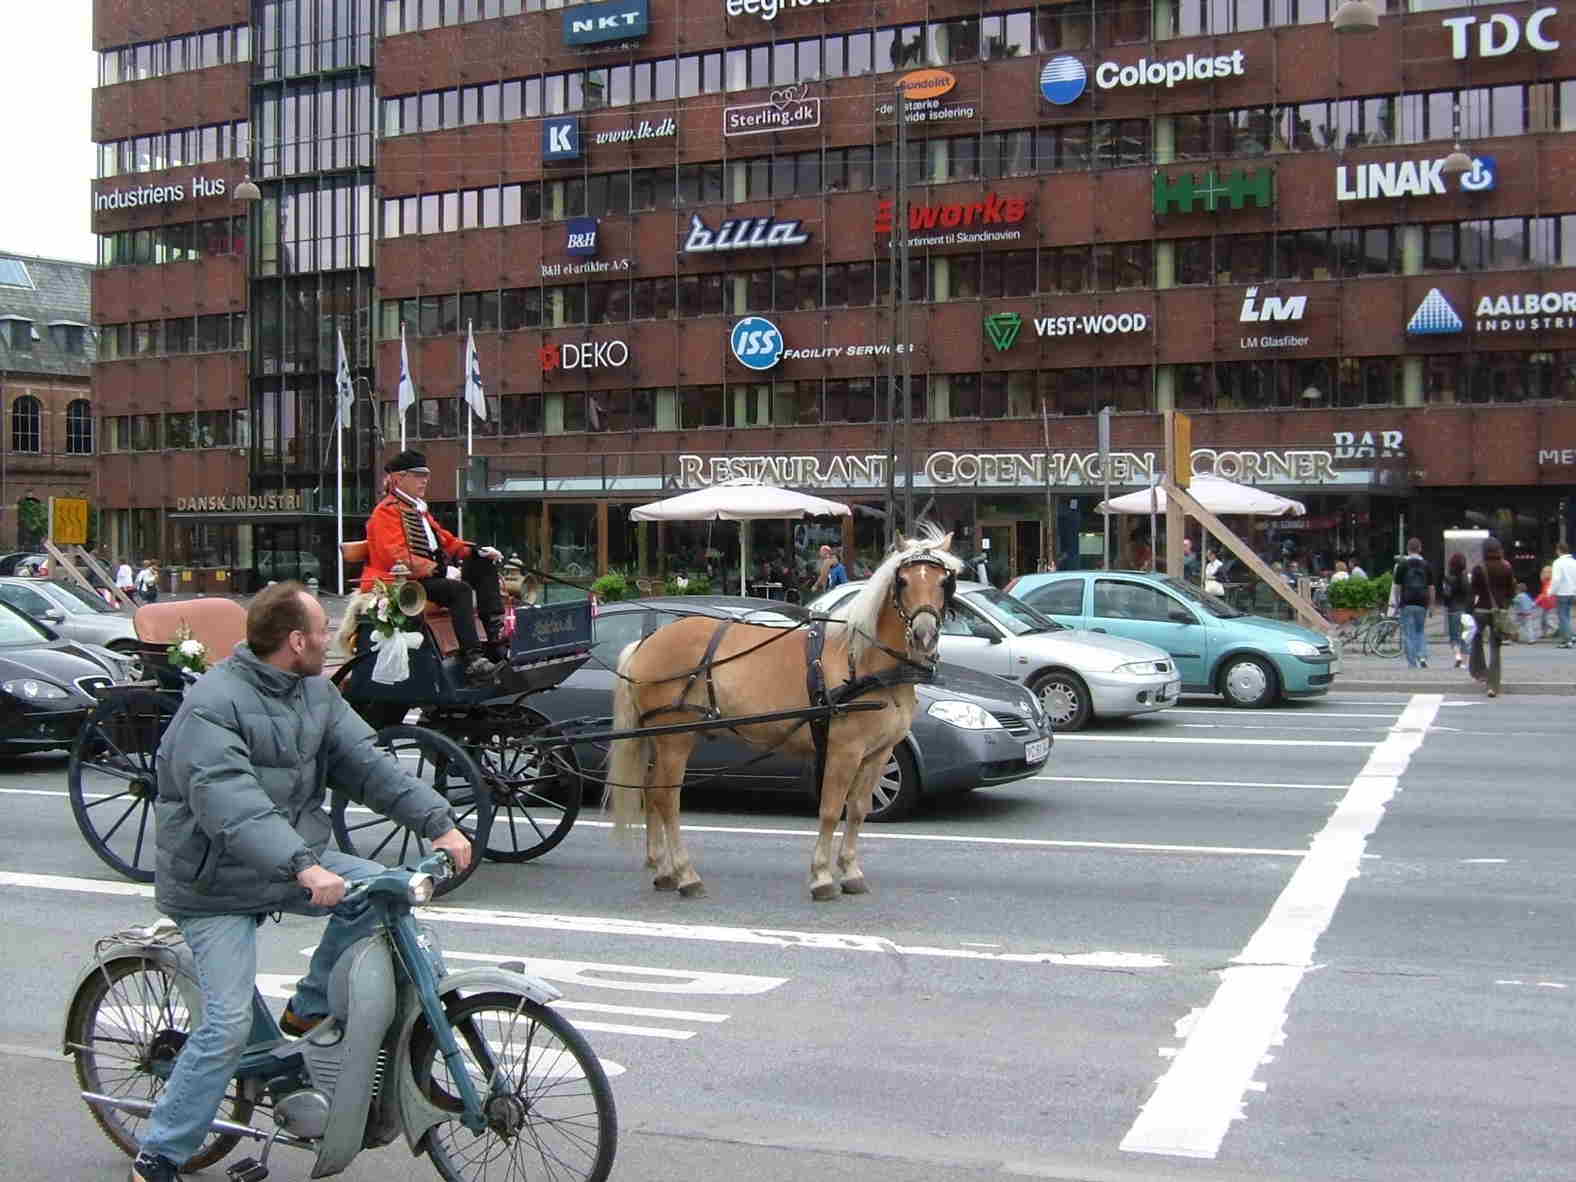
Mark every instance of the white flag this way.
pixel 407 389
pixel 475 396
pixel 345 388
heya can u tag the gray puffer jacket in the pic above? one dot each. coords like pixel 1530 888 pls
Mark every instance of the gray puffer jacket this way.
pixel 243 770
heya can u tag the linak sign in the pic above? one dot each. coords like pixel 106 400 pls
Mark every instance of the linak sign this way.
pixel 999 219
pixel 612 20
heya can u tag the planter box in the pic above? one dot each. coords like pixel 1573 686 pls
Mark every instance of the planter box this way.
pixel 1341 615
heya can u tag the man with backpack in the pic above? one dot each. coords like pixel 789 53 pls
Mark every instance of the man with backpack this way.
pixel 1415 579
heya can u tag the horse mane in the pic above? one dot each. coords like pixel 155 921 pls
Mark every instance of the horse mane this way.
pixel 345 636
pixel 862 613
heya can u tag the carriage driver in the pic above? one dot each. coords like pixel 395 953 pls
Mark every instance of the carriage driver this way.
pixel 403 529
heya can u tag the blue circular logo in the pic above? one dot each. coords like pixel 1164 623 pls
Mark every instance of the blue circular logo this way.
pixel 757 343
pixel 1062 80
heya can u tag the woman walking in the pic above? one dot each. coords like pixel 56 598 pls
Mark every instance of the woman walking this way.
pixel 1456 592
pixel 1493 587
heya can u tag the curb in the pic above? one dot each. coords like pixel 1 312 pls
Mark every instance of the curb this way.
pixel 1467 687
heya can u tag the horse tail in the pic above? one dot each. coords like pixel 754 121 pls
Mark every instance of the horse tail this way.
pixel 629 758
pixel 345 637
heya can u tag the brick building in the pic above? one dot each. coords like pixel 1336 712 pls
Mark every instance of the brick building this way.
pixel 670 228
pixel 47 349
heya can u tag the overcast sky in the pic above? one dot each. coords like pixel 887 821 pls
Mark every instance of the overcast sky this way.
pixel 47 73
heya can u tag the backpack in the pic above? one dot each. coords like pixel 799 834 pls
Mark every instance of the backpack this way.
pixel 1414 581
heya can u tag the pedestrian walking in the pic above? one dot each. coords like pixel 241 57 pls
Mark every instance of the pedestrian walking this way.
pixel 125 583
pixel 838 574
pixel 1415 579
pixel 1493 587
pixel 824 564
pixel 1548 620
pixel 1455 592
pixel 148 581
pixel 1564 589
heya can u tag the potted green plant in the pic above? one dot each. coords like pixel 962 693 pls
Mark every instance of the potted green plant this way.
pixel 612 587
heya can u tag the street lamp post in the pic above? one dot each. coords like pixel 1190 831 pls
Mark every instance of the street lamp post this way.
pixel 899 382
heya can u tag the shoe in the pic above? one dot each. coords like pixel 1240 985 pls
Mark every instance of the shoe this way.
pixel 294 1025
pixel 1458 662
pixel 479 669
pixel 152 1167
pixel 1422 664
pixel 1493 693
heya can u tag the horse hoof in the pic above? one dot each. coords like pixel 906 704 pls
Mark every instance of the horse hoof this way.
pixel 855 886
pixel 824 892
pixel 693 890
pixel 664 882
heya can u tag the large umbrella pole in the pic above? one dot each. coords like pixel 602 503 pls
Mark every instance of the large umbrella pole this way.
pixel 744 557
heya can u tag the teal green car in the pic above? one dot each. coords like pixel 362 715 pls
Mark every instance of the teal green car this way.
pixel 1249 660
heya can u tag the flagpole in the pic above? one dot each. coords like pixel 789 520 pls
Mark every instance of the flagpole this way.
pixel 343 385
pixel 339 503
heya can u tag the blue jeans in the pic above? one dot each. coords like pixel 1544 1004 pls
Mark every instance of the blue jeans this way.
pixel 1412 643
pixel 225 950
pixel 1562 605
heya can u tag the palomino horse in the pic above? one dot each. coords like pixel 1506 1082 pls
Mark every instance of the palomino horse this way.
pixel 700 667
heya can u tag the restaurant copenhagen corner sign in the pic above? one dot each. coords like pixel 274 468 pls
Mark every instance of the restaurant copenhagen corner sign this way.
pixel 953 469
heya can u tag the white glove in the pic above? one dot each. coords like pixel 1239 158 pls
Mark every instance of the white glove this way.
pixel 489 552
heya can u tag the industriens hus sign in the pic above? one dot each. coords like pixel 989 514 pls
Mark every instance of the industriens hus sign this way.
pixel 157 194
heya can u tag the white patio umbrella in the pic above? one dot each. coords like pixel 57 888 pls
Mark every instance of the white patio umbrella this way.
pixel 1217 494
pixel 743 499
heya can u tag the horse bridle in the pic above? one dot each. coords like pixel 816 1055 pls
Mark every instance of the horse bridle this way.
pixel 949 587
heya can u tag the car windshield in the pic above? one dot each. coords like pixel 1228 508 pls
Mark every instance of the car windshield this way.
pixel 78 601
pixel 1011 613
pixel 15 628
pixel 1213 604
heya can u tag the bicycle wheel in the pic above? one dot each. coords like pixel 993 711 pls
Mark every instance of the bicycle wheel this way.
pixel 1384 640
pixel 440 763
pixel 536 788
pixel 548 1104
pixel 111 778
pixel 127 1025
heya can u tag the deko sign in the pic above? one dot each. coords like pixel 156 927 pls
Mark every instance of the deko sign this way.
pixel 584 355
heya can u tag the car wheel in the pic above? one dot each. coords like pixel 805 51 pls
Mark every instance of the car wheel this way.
pixel 1249 682
pixel 897 788
pixel 1065 698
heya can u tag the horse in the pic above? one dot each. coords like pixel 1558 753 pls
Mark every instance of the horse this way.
pixel 883 640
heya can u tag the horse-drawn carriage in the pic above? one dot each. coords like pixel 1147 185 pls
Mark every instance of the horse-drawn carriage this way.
pixel 839 692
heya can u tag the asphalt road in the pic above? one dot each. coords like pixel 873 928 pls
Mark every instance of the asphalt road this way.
pixel 1326 941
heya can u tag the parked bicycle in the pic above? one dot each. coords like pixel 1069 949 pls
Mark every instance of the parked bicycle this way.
pixel 1375 634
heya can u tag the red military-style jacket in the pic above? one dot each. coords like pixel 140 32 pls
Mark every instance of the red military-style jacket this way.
pixel 394 534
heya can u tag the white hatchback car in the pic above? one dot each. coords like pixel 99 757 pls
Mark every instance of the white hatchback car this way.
pixel 1077 675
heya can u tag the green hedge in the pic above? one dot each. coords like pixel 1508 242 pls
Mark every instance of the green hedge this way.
pixel 1361 594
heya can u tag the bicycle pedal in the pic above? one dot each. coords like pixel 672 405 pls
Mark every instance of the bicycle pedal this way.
pixel 248 1169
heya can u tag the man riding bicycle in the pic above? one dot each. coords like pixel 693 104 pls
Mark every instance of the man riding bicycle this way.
pixel 243 772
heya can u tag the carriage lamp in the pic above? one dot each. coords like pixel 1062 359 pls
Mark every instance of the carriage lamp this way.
pixel 419 890
pixel 966 715
pixel 35 691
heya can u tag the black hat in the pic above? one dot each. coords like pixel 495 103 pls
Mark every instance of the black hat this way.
pixel 407 461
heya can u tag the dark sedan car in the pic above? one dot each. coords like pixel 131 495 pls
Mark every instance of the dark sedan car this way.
pixel 969 730
pixel 46 684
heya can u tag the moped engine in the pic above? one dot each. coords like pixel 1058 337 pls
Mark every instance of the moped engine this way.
pixel 303 1113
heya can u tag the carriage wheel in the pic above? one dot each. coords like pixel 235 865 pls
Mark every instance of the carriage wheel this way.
pixel 440 763
pixel 536 788
pixel 112 782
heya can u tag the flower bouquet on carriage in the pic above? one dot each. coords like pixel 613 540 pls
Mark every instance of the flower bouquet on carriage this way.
pixel 395 632
pixel 187 655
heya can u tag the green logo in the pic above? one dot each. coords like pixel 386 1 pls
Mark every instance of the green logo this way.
pixel 1002 329
pixel 1237 190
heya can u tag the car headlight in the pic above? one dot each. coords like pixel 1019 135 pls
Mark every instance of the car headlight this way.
pixel 1139 668
pixel 964 714
pixel 33 690
pixel 1301 648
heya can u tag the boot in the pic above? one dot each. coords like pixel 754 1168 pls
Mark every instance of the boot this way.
pixel 478 669
pixel 497 644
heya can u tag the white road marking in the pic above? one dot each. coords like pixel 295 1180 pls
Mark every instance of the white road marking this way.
pixel 1218 742
pixel 832 941
pixel 1248 726
pixel 1182 783
pixel 1484 861
pixel 1226 711
pixel 1202 1091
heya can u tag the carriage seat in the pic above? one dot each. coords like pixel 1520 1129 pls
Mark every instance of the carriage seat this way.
pixel 436 618
pixel 220 624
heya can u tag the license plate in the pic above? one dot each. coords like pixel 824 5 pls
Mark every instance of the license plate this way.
pixel 1037 750
pixel 1169 691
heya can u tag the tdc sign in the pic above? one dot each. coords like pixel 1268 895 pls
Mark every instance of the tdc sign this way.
pixel 756 342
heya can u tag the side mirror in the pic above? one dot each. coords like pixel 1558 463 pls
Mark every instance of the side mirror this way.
pixel 54 615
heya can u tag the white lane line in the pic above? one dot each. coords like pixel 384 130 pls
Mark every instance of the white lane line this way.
pixel 1282 726
pixel 1202 1091
pixel 1182 783
pixel 1227 711
pixel 1021 842
pixel 769 937
pixel 1218 742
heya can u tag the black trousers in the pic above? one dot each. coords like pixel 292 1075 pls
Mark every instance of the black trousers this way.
pixel 475 593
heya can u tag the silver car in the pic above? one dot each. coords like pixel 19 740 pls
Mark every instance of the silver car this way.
pixel 72 613
pixel 1077 675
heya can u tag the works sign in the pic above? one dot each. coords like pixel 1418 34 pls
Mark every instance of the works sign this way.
pixel 993 219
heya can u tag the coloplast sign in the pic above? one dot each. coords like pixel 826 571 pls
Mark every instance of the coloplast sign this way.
pixel 1064 78
pixel 756 342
